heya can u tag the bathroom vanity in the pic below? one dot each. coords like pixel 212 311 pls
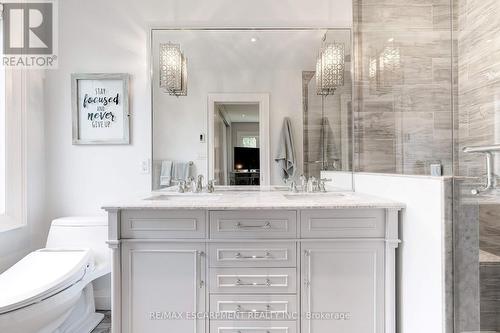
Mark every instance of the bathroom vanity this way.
pixel 253 262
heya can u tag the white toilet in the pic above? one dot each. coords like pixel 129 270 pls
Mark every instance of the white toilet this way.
pixel 50 290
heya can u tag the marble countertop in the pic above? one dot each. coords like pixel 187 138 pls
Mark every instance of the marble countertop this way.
pixel 262 199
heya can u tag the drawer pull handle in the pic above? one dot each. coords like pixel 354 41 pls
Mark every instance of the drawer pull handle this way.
pixel 266 225
pixel 240 309
pixel 253 284
pixel 239 256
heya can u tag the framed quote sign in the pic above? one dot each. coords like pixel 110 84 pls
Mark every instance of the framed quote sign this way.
pixel 100 109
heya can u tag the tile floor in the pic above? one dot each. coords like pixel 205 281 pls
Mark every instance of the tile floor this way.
pixel 105 325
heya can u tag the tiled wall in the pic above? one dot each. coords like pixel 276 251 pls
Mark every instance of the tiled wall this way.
pixel 478 53
pixel 490 302
pixel 403 104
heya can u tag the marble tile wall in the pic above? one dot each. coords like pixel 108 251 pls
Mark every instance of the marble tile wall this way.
pixel 478 49
pixel 490 297
pixel 403 105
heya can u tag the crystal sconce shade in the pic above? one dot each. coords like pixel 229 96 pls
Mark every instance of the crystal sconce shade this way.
pixel 173 70
pixel 330 68
pixel 385 69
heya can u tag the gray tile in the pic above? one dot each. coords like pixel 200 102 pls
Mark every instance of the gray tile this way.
pixel 105 325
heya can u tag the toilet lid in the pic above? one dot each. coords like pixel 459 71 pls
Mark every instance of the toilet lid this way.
pixel 41 274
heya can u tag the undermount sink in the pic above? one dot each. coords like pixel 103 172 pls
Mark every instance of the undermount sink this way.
pixel 312 196
pixel 185 197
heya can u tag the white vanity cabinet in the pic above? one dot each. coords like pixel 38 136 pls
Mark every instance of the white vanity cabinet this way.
pixel 160 279
pixel 253 270
pixel 343 287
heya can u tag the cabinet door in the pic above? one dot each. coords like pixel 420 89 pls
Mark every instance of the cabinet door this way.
pixel 163 285
pixel 342 287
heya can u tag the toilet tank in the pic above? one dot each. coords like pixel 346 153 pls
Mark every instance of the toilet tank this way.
pixel 81 232
pixel 86 232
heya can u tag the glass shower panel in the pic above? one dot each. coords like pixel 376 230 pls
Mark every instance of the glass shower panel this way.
pixel 403 92
pixel 477 216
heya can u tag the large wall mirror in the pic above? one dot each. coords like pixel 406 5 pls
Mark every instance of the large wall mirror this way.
pixel 250 107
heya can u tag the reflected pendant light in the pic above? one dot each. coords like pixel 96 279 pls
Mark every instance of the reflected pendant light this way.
pixel 330 68
pixel 173 69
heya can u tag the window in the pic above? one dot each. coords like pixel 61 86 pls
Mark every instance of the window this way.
pixel 2 125
pixel 13 105
pixel 249 141
pixel 2 139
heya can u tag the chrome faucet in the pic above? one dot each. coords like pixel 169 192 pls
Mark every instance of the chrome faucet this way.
pixel 199 184
pixel 312 185
pixel 293 187
pixel 303 183
pixel 490 172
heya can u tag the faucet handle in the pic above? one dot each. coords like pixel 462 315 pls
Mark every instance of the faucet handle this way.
pixel 210 185
pixel 322 184
pixel 182 185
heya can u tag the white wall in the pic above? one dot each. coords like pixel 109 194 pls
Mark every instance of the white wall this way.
pixel 424 256
pixel 112 36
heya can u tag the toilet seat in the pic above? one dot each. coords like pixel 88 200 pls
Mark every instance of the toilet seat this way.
pixel 42 274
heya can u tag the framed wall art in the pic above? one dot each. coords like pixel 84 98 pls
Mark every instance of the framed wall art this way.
pixel 100 108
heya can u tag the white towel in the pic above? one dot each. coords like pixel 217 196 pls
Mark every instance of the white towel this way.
pixel 182 170
pixel 172 171
pixel 166 173
pixel 286 151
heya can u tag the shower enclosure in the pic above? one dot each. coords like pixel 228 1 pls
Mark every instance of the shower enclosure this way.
pixel 477 207
pixel 426 87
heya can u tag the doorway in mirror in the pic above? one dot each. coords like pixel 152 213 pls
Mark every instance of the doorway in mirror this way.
pixel 236 144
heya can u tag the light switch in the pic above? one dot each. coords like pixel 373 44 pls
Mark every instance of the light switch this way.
pixel 145 167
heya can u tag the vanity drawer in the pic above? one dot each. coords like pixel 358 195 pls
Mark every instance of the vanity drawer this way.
pixel 253 327
pixel 253 280
pixel 347 223
pixel 254 307
pixel 253 224
pixel 278 254
pixel 163 224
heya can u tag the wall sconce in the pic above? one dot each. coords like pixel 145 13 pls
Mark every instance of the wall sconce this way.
pixel 330 68
pixel 173 69
pixel 385 68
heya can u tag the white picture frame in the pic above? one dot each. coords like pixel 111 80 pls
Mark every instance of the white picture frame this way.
pixel 100 109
